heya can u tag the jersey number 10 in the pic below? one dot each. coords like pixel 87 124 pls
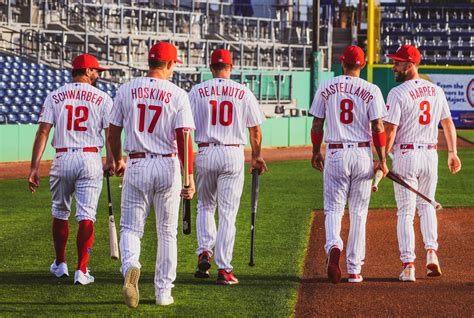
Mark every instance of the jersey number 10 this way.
pixel 225 108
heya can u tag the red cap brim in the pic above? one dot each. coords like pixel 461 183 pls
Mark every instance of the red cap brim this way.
pixel 179 61
pixel 397 58
pixel 101 69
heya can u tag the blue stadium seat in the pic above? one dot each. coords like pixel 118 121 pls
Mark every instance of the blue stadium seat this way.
pixel 30 93
pixel 66 78
pixel 17 59
pixel 23 118
pixel 16 65
pixel 3 109
pixel 40 93
pixel 33 72
pixel 3 93
pixel 58 84
pixel 41 72
pixel 13 85
pixel 13 109
pixel 12 118
pixel 15 71
pixel 4 78
pixel 22 85
pixel 34 66
pixel 58 72
pixel 50 85
pixel 7 65
pixel 9 59
pixel 58 79
pixel 25 71
pixel 2 59
pixel 100 86
pixel 10 92
pixel 111 93
pixel 25 65
pixel 3 119
pixel 20 92
pixel 40 78
pixel 49 72
pixel 17 101
pixel 38 100
pixel 31 84
pixel 22 78
pixel 49 78
pixel 35 109
pixel 28 100
pixel 24 109
pixel 3 85
pixel 7 101
pixel 33 118
pixel 42 66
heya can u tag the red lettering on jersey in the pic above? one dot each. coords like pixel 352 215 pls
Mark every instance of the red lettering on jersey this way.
pixel 225 90
pixel 324 95
pixel 99 100
pixel 161 95
pixel 168 98
pixel 371 97
pixel 412 95
pixel 146 92
pixel 213 90
pixel 89 96
pixel 55 99
pixel 201 92
pixel 134 93
pixel 241 95
pixel 206 91
pixel 83 95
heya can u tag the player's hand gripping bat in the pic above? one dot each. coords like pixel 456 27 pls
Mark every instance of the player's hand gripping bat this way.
pixel 255 190
pixel 395 178
pixel 186 203
pixel 114 250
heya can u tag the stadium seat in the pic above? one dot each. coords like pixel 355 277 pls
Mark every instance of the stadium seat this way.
pixel 22 85
pixel 30 93
pixel 3 119
pixel 10 93
pixel 7 65
pixel 22 78
pixel 15 71
pixel 36 109
pixel 20 92
pixel 3 86
pixel 49 72
pixel 28 100
pixel 13 109
pixel 23 118
pixel 33 118
pixel 38 100
pixel 9 59
pixel 2 59
pixel 13 85
pixel 3 109
pixel 25 71
pixel 24 109
pixel 3 93
pixel 17 59
pixel 16 65
pixel 7 101
pixel 31 84
pixel 12 118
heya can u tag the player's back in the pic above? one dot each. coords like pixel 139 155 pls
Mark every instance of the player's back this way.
pixel 348 104
pixel 417 106
pixel 78 112
pixel 222 110
pixel 150 109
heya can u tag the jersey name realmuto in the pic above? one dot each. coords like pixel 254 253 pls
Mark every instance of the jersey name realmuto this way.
pixel 79 112
pixel 348 104
pixel 416 107
pixel 150 110
pixel 223 109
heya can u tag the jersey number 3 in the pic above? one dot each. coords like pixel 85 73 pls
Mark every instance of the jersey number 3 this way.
pixel 81 113
pixel 225 108
pixel 425 116
pixel 346 116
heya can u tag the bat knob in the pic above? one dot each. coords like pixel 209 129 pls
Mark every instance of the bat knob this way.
pixel 375 189
pixel 438 206
pixel 251 264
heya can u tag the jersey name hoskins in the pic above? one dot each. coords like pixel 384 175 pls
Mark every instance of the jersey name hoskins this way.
pixel 78 95
pixel 151 93
pixel 221 91
pixel 347 88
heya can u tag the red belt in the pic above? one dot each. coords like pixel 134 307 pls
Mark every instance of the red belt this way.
pixel 138 155
pixel 412 146
pixel 86 149
pixel 341 146
pixel 206 144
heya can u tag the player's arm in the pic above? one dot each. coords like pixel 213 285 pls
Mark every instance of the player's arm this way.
pixel 454 163
pixel 115 144
pixel 109 165
pixel 188 192
pixel 317 134
pixel 390 132
pixel 256 144
pixel 379 139
pixel 38 149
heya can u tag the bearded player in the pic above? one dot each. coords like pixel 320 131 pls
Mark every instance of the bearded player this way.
pixel 415 109
pixel 350 106
pixel 79 112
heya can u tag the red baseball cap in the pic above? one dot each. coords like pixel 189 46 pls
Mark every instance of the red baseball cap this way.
pixel 86 61
pixel 353 55
pixel 406 53
pixel 164 51
pixel 221 56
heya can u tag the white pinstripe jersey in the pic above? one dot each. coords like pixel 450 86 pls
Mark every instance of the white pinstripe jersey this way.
pixel 416 107
pixel 150 110
pixel 79 112
pixel 348 104
pixel 223 109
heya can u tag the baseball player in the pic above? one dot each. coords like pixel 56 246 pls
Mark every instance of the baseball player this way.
pixel 78 111
pixel 352 107
pixel 154 112
pixel 415 108
pixel 222 109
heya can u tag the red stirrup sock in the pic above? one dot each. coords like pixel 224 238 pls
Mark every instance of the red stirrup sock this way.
pixel 60 235
pixel 85 238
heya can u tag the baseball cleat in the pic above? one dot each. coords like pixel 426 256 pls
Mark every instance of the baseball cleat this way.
pixel 204 263
pixel 334 270
pixel 226 278
pixel 432 264
pixel 355 278
pixel 59 270
pixel 164 299
pixel 81 278
pixel 130 287
pixel 408 273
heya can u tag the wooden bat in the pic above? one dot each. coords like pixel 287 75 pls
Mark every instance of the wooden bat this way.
pixel 395 178
pixel 114 250
pixel 378 177
pixel 254 201
pixel 186 203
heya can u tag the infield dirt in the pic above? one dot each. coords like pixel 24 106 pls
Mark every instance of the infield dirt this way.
pixel 381 293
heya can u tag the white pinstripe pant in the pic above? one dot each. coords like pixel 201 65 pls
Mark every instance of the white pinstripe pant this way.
pixel 419 168
pixel 220 179
pixel 347 177
pixel 79 173
pixel 151 181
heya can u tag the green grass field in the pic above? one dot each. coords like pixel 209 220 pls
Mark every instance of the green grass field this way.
pixel 467 135
pixel 288 194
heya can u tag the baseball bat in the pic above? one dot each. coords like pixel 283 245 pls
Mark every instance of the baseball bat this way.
pixel 114 250
pixel 254 201
pixel 186 203
pixel 395 178
pixel 378 177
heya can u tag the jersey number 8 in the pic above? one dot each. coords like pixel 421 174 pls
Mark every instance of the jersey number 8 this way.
pixel 346 116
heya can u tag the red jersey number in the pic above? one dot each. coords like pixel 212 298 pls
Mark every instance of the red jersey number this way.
pixel 81 114
pixel 347 116
pixel 141 118
pixel 226 109
pixel 425 116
